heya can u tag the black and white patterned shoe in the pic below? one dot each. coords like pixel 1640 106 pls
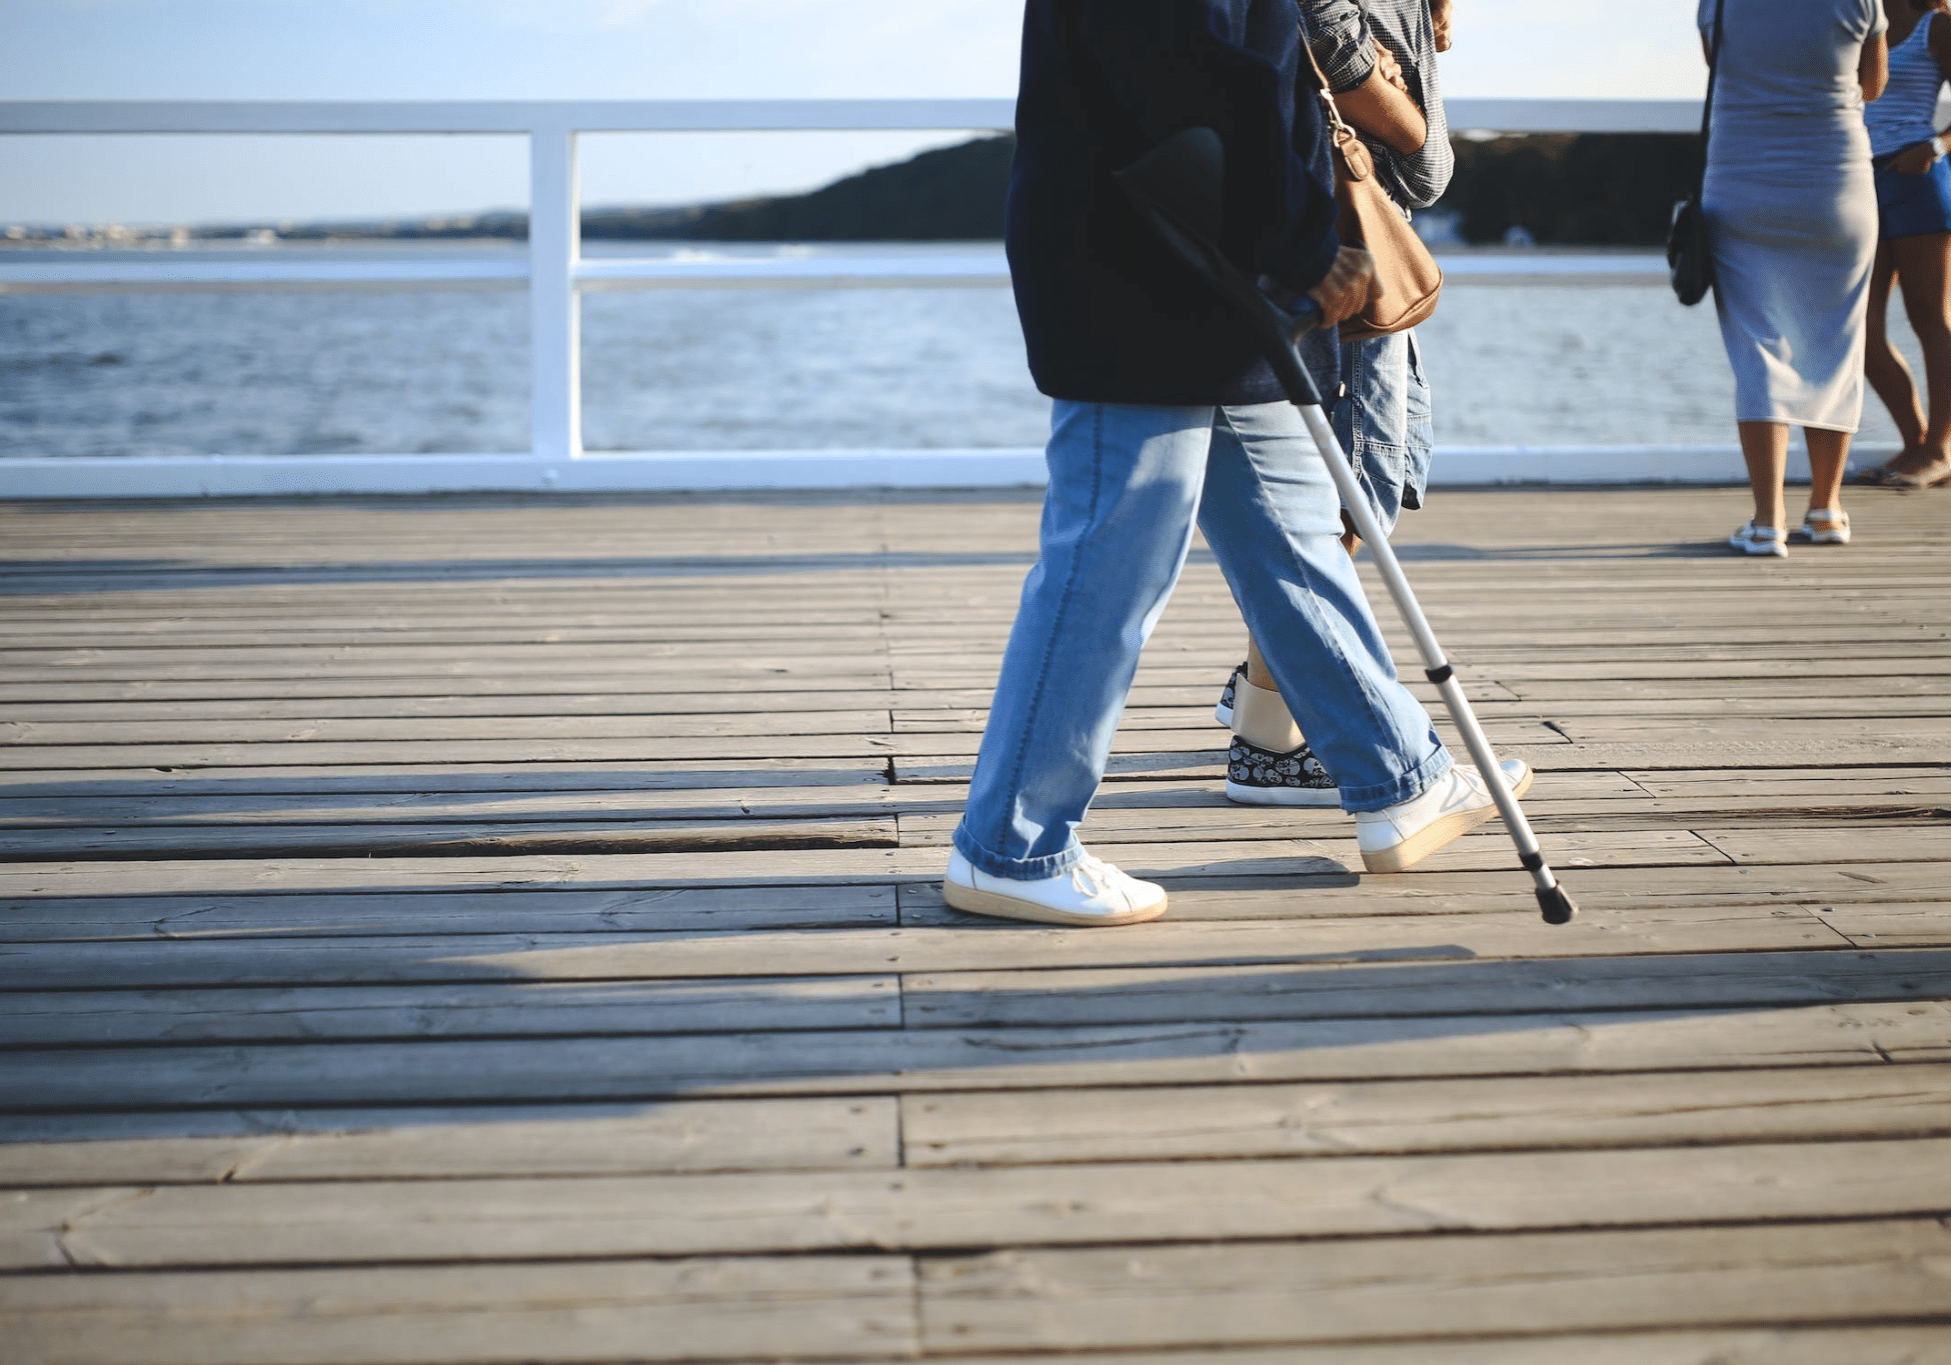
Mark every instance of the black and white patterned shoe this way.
pixel 1223 713
pixel 1261 777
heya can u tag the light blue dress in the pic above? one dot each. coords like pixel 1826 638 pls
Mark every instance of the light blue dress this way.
pixel 1791 206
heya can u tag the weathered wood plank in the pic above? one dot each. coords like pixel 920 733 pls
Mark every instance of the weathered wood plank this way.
pixel 239 1147
pixel 757 1213
pixel 334 730
pixel 849 1307
pixel 239 808
pixel 1796 686
pixel 748 689
pixel 352 840
pixel 1395 1287
pixel 620 871
pixel 60 918
pixel 1712 782
pixel 876 1062
pixel 524 1008
pixel 1298 990
pixel 115 650
pixel 1864 845
pixel 1366 1117
pixel 44 757
pixel 341 700
pixel 732 660
pixel 1893 926
pixel 338 782
pixel 1906 1345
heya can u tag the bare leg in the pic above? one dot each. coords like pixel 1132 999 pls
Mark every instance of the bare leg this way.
pixel 1828 453
pixel 1883 363
pixel 1923 272
pixel 1764 445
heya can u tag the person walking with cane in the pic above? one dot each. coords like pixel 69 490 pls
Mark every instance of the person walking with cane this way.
pixel 1164 414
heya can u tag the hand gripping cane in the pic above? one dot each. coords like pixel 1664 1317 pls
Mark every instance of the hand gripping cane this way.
pixel 1177 186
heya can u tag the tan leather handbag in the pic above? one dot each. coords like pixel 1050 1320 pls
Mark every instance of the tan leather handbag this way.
pixel 1408 277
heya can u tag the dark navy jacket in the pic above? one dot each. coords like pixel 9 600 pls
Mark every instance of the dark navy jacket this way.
pixel 1108 313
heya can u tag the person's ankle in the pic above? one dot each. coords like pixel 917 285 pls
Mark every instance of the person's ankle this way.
pixel 1261 718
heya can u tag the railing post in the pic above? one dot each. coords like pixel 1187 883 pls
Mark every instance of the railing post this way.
pixel 555 331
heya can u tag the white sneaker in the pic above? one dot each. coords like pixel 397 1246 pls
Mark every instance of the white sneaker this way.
pixel 1091 893
pixel 1457 802
pixel 1757 540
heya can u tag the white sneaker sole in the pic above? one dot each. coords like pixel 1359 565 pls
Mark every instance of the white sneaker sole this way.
pixel 1425 841
pixel 978 902
pixel 1282 796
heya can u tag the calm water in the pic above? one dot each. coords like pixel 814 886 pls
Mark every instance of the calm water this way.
pixel 385 373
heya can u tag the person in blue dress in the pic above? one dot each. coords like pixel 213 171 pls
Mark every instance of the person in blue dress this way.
pixel 1913 195
pixel 1791 223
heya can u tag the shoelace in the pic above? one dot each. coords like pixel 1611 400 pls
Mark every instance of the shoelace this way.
pixel 1092 876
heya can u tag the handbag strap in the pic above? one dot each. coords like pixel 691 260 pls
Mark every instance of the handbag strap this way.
pixel 1321 84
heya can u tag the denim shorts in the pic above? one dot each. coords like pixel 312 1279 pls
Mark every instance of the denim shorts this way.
pixel 1383 421
pixel 1913 205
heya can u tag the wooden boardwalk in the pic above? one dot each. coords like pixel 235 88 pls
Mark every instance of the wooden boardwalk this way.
pixel 500 930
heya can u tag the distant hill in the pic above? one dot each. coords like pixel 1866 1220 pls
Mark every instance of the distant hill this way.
pixel 950 194
pixel 1589 189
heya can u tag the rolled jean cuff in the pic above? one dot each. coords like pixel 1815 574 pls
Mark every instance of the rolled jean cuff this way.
pixel 1016 869
pixel 1394 792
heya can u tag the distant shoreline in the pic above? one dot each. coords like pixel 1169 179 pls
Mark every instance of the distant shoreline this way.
pixel 1590 191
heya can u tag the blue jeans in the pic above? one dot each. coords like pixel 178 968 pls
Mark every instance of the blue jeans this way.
pixel 1127 483
pixel 1384 421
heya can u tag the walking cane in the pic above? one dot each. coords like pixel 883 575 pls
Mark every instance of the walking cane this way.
pixel 1178 186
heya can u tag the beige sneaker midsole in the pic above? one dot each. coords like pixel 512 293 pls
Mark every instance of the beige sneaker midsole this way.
pixel 1011 907
pixel 1425 841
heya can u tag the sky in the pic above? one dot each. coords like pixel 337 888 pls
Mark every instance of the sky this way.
pixel 606 49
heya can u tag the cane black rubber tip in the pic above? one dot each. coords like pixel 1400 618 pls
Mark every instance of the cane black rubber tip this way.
pixel 1556 906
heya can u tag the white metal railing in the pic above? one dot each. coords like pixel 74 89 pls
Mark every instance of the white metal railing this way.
pixel 555 274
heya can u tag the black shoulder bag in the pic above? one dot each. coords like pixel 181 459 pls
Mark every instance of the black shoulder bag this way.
pixel 1690 265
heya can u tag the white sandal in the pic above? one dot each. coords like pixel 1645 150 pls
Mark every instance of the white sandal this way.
pixel 1824 526
pixel 1758 540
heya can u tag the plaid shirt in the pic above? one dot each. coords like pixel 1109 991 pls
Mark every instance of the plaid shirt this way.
pixel 1341 35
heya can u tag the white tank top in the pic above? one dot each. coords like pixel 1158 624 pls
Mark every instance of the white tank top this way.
pixel 1906 112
